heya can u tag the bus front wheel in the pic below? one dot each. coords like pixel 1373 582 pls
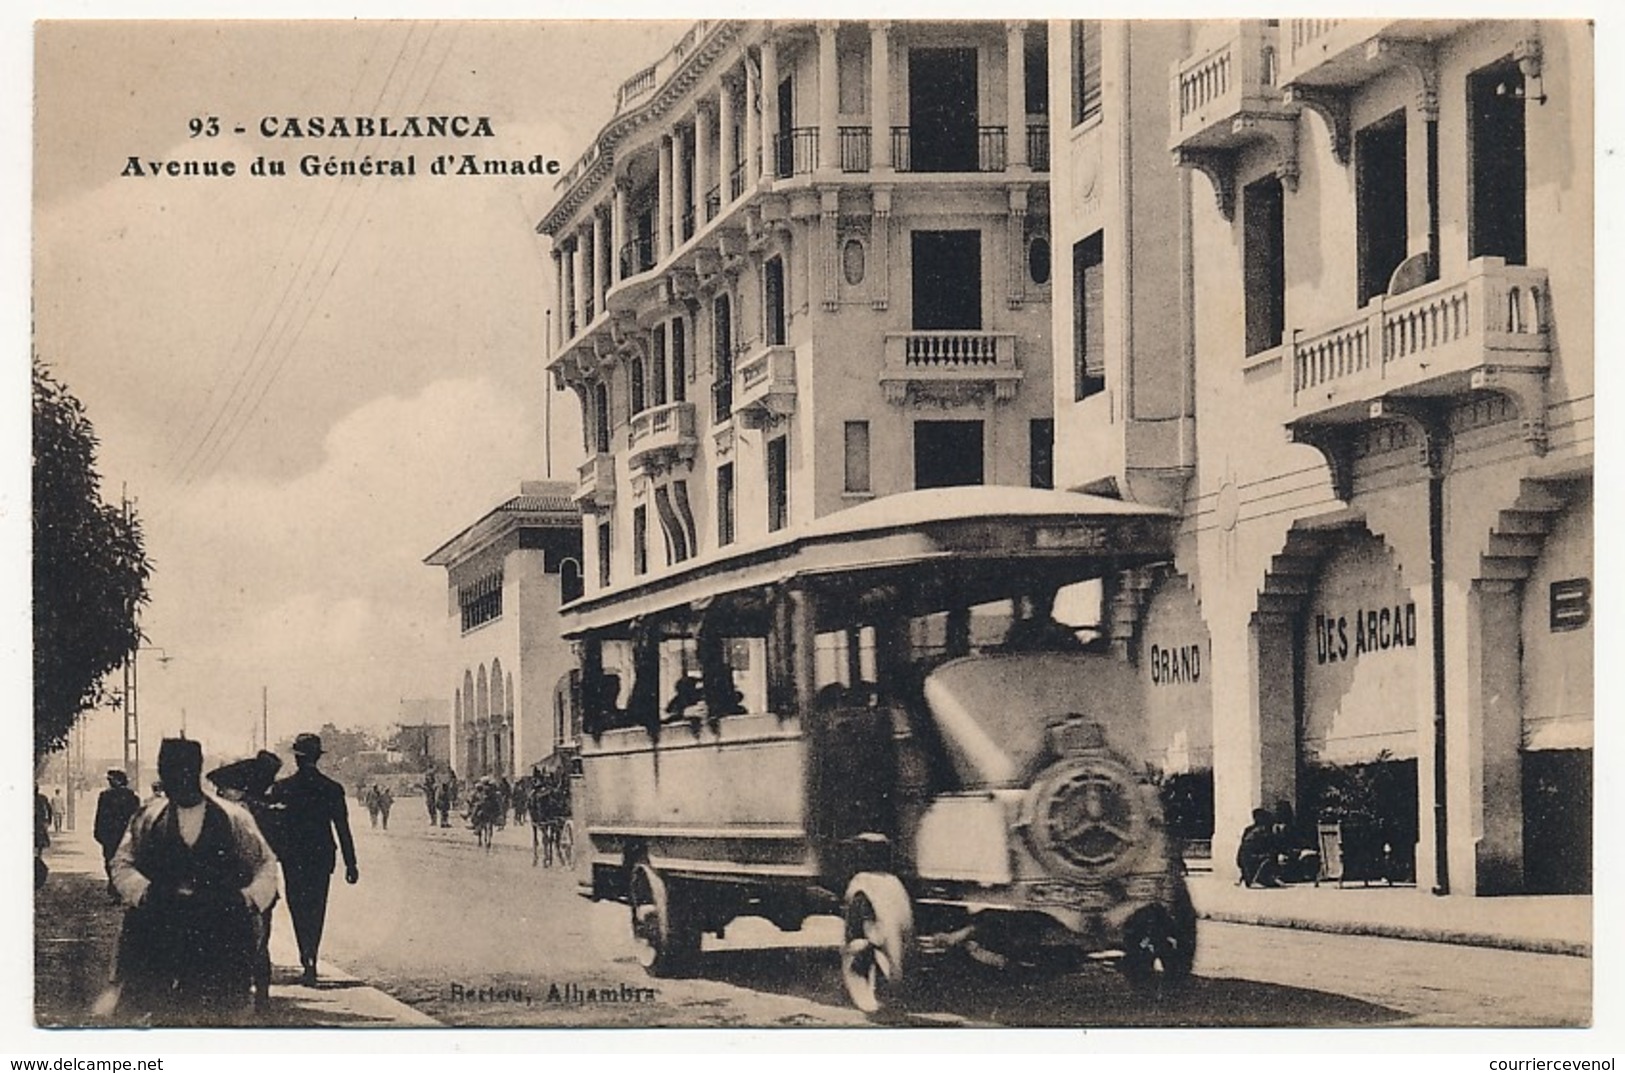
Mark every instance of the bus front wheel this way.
pixel 879 937
pixel 663 927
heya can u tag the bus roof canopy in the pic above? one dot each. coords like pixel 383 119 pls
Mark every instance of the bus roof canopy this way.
pixel 977 539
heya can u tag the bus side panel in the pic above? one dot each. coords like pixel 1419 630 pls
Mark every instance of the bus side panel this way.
pixel 706 799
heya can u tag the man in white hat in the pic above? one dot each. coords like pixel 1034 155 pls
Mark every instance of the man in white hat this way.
pixel 310 809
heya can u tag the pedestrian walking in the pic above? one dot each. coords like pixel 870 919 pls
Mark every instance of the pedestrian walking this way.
pixel 114 808
pixel 311 811
pixel 248 783
pixel 42 836
pixel 369 797
pixel 442 801
pixel 58 811
pixel 386 800
pixel 194 871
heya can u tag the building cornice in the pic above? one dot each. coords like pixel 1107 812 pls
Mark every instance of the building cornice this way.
pixel 596 164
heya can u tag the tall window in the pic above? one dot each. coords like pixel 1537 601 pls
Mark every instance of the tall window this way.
pixel 1088 317
pixel 722 388
pixel 679 360
pixel 603 555
pixel 1036 67
pixel 778 484
pixel 657 371
pixel 1264 273
pixel 857 456
pixel 1380 193
pixel 948 453
pixel 1041 452
pixel 636 374
pixel 640 539
pixel 773 300
pixel 1085 70
pixel 1499 177
pixel 947 269
pixel 600 405
pixel 725 504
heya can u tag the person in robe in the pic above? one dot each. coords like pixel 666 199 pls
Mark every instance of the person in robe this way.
pixel 194 872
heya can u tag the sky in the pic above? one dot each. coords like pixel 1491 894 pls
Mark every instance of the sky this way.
pixel 305 384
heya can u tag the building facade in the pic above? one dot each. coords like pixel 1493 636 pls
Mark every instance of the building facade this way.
pixel 805 264
pixel 506 577
pixel 1352 343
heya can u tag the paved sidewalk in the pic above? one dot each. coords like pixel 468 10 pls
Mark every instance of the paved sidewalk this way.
pixel 339 998
pixel 1548 924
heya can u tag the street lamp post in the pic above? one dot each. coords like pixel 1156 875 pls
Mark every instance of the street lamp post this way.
pixel 132 708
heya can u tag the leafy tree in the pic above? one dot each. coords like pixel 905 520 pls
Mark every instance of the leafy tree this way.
pixel 90 568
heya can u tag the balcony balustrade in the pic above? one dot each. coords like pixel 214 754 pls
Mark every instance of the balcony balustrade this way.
pixel 854 149
pixel 1227 97
pixel 950 364
pixel 765 386
pixel 1038 146
pixel 595 490
pixel 637 257
pixel 796 152
pixel 912 153
pixel 1489 330
pixel 661 436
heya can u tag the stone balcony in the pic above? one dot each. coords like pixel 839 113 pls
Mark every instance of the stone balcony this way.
pixel 1323 61
pixel 1489 329
pixel 765 386
pixel 950 365
pixel 1227 97
pixel 595 488
pixel 662 437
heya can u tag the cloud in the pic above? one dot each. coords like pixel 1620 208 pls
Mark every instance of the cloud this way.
pixel 315 587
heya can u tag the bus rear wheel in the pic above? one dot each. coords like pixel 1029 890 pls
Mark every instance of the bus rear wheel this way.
pixel 879 937
pixel 663 927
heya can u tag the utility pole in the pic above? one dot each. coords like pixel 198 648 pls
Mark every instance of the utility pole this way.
pixel 132 717
pixel 547 399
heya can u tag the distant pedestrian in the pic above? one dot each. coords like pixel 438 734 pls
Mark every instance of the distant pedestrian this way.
pixel 312 812
pixel 114 808
pixel 369 797
pixel 58 811
pixel 386 800
pixel 504 800
pixel 194 871
pixel 442 802
pixel 429 794
pixel 1259 856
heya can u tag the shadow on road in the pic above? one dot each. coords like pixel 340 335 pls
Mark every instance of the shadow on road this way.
pixel 952 989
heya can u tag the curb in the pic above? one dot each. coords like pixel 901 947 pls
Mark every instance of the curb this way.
pixel 1564 947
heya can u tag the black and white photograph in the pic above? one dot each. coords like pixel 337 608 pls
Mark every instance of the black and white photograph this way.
pixel 813 523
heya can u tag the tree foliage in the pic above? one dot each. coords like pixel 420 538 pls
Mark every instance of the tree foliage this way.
pixel 90 568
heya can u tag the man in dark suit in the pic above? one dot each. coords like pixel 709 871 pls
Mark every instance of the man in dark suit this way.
pixel 310 809
pixel 114 808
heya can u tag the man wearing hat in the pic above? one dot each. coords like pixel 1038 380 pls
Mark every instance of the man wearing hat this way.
pixel 311 810
pixel 193 870
pixel 114 807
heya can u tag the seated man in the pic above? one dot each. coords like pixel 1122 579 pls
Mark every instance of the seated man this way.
pixel 1258 856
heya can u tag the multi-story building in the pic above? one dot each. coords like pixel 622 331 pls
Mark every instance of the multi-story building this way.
pixel 803 265
pixel 506 576
pixel 1376 301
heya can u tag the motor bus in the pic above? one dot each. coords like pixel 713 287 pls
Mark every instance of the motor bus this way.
pixel 877 716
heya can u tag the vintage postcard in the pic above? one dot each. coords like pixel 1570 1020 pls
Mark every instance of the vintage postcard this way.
pixel 799 522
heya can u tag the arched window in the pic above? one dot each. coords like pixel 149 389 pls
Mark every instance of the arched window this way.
pixel 570 587
pixel 482 696
pixel 657 370
pixel 499 707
